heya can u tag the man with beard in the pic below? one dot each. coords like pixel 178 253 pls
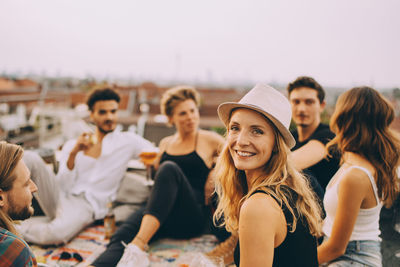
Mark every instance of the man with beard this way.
pixel 306 97
pixel 91 168
pixel 16 189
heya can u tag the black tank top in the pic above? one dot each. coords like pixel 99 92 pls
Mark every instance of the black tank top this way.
pixel 194 168
pixel 299 249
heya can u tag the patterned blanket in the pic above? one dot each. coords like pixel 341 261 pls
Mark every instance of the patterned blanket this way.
pixel 90 243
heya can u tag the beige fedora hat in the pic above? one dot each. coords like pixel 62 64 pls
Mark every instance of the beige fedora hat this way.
pixel 269 102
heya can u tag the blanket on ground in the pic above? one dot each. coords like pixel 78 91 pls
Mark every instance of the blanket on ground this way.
pixel 90 243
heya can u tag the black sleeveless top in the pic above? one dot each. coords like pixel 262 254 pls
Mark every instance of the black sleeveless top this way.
pixel 299 249
pixel 194 168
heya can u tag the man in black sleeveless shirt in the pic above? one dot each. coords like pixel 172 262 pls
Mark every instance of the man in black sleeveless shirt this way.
pixel 307 99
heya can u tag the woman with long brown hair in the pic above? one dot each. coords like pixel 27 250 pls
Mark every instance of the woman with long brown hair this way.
pixel 262 197
pixel 366 180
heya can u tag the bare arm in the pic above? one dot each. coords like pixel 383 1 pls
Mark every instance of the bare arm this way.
pixel 262 227
pixel 209 187
pixel 82 143
pixel 308 155
pixel 162 146
pixel 351 193
pixel 71 160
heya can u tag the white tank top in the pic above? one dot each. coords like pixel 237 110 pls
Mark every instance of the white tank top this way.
pixel 367 223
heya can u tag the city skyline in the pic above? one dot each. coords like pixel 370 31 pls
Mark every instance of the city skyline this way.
pixel 339 43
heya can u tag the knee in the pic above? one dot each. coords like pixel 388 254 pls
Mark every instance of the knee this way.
pixel 37 167
pixel 31 159
pixel 168 170
pixel 168 166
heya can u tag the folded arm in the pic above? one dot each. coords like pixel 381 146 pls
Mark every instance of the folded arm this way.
pixel 308 155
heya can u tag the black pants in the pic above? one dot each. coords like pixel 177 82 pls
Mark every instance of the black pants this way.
pixel 173 202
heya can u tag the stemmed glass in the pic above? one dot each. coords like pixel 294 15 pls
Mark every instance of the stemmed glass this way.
pixel 148 156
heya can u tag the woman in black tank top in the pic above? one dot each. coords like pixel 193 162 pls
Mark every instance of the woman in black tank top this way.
pixel 182 185
pixel 262 197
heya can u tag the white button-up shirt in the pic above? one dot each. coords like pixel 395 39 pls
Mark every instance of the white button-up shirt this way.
pixel 99 178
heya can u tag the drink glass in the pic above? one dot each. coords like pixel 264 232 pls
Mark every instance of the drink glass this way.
pixel 148 157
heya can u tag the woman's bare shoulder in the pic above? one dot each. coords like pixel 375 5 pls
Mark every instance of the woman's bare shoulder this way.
pixel 211 136
pixel 163 143
pixel 260 202
pixel 355 182
pixel 262 207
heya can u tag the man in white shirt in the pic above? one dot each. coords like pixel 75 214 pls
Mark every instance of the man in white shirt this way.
pixel 91 168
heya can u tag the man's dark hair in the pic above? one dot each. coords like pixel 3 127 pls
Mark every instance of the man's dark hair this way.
pixel 103 94
pixel 304 81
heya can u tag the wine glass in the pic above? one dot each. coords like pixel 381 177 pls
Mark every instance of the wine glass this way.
pixel 147 156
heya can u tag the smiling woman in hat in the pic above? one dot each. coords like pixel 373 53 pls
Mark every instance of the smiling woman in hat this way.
pixel 262 196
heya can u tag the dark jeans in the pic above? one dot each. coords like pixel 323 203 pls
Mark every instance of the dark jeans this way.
pixel 173 202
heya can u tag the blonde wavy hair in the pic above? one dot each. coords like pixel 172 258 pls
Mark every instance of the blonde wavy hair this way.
pixel 10 155
pixel 361 123
pixel 231 187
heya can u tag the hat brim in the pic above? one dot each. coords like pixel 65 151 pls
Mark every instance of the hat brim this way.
pixel 224 113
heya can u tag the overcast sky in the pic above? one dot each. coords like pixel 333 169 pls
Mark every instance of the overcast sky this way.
pixel 339 42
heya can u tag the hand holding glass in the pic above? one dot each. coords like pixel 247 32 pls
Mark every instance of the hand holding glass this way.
pixel 148 157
